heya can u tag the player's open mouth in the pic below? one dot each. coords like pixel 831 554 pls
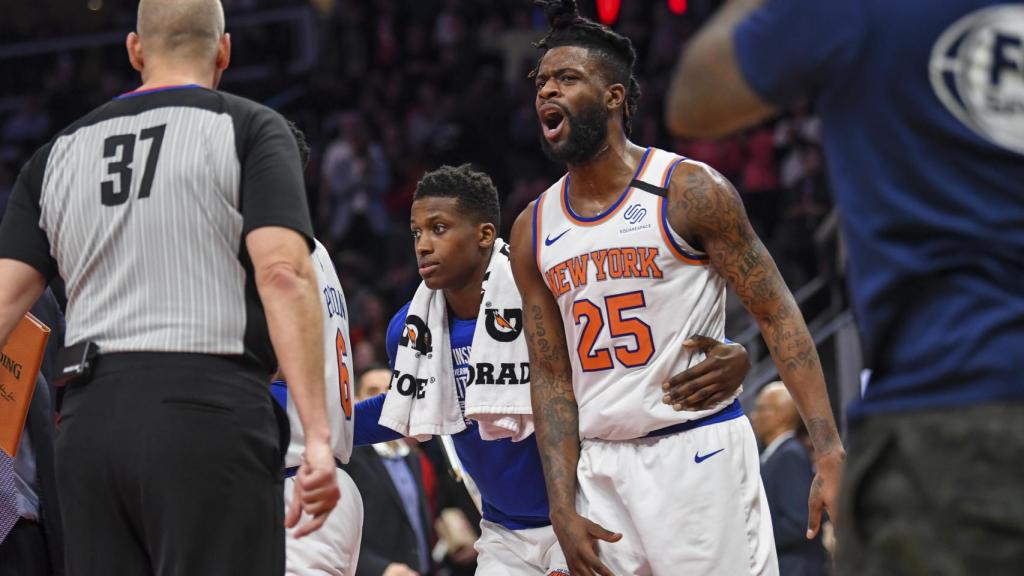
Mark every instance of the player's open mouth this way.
pixel 552 121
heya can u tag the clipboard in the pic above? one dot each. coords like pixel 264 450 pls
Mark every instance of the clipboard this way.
pixel 20 360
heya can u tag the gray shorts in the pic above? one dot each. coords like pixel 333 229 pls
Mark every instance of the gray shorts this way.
pixel 935 493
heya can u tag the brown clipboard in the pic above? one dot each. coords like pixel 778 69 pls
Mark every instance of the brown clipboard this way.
pixel 19 364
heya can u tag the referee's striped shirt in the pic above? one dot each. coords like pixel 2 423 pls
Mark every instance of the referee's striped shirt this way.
pixel 142 207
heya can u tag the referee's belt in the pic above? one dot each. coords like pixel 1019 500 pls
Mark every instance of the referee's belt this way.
pixel 291 472
pixel 730 412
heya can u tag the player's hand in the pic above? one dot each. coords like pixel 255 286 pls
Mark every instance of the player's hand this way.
pixel 578 538
pixel 825 490
pixel 399 569
pixel 316 489
pixel 715 379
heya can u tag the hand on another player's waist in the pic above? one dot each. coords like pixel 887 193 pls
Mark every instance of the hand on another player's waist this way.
pixel 713 380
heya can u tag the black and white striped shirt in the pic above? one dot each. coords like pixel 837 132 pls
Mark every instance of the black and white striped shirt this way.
pixel 142 207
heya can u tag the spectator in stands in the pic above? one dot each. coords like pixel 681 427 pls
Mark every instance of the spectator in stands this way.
pixel 356 178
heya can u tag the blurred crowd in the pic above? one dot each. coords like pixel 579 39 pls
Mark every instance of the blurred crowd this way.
pixel 395 88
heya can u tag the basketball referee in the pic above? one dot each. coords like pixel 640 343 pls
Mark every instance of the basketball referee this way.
pixel 177 217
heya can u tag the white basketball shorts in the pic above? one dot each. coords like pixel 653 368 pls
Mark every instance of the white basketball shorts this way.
pixel 529 552
pixel 686 503
pixel 333 549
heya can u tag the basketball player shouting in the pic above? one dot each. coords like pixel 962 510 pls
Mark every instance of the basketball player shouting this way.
pixel 617 263
pixel 453 222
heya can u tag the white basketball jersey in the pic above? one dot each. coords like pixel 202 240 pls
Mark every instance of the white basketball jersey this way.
pixel 338 369
pixel 630 291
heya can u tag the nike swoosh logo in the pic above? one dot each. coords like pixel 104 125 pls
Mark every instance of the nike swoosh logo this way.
pixel 548 241
pixel 698 458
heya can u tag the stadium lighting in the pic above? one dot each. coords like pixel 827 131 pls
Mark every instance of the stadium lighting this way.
pixel 608 11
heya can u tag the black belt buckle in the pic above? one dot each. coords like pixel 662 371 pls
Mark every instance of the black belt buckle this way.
pixel 75 362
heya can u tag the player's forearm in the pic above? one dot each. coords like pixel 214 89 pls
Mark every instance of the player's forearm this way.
pixel 367 430
pixel 708 96
pixel 289 296
pixel 796 358
pixel 556 417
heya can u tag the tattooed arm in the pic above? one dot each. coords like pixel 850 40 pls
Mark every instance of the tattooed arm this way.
pixel 705 208
pixel 555 412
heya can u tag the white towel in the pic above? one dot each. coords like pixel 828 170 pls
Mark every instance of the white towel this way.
pixel 422 400
pixel 498 392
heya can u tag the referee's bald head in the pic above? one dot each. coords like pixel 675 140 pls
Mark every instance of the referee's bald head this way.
pixel 183 28
pixel 177 39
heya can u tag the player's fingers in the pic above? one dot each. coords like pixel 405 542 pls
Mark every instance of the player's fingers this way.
pixel 688 375
pixel 708 383
pixel 291 518
pixel 321 492
pixel 602 533
pixel 702 392
pixel 707 403
pixel 316 482
pixel 319 507
pixel 594 563
pixel 700 342
pixel 587 562
pixel 814 504
pixel 309 527
pixel 310 475
pixel 578 567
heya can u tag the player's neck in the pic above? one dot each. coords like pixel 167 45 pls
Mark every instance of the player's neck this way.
pixel 609 172
pixel 465 300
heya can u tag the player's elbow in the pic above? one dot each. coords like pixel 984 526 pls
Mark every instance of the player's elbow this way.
pixel 680 120
pixel 281 277
pixel 690 115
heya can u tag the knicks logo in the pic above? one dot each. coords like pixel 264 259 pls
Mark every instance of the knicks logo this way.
pixel 504 328
pixel 416 335
pixel 634 214
pixel 977 72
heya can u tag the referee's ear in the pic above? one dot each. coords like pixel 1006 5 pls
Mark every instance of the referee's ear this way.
pixel 134 46
pixel 223 58
pixel 223 52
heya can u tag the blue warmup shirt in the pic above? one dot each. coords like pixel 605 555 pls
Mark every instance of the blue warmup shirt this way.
pixel 508 474
pixel 922 109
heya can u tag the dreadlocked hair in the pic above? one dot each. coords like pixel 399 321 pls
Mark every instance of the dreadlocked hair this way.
pixel 616 51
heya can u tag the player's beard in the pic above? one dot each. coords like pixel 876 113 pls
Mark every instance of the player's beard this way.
pixel 588 132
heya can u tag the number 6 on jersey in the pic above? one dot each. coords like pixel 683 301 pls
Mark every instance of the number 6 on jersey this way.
pixel 343 377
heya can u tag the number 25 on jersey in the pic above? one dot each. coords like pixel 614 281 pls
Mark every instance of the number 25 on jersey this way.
pixel 593 360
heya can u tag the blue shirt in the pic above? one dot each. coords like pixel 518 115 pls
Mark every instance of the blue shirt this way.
pixel 923 127
pixel 508 474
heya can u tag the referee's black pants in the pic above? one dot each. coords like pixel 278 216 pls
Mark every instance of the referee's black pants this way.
pixel 172 465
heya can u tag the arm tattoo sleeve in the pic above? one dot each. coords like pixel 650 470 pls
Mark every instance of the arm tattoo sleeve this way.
pixel 704 206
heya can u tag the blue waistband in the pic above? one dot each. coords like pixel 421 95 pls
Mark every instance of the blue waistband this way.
pixel 291 472
pixel 731 412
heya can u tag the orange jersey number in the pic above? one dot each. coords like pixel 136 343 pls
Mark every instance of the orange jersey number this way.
pixel 343 378
pixel 618 327
pixel 591 360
